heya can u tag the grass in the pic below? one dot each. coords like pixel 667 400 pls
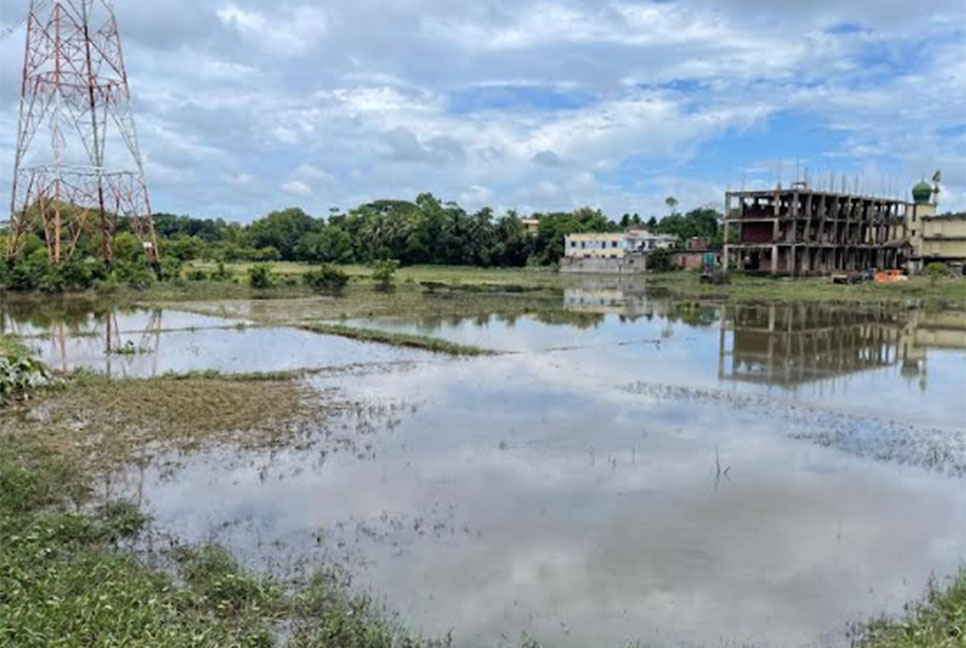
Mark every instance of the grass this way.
pixel 68 578
pixel 11 346
pixel 426 343
pixel 410 274
pixel 938 621
pixel 127 421
pixel 945 292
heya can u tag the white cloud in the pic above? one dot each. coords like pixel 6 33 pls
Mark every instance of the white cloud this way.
pixel 542 105
pixel 292 34
pixel 297 188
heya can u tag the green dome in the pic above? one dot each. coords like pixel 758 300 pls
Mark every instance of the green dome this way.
pixel 922 192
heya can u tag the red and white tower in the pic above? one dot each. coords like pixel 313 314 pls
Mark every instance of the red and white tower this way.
pixel 78 166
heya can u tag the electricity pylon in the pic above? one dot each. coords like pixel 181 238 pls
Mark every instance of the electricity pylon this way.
pixel 78 167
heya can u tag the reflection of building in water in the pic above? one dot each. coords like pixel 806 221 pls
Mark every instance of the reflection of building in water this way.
pixel 790 345
pixel 608 301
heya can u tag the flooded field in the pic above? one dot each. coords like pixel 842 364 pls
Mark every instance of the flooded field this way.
pixel 630 469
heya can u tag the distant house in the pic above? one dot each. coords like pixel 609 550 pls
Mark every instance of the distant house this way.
pixel 595 245
pixel 644 241
pixel 694 254
pixel 531 225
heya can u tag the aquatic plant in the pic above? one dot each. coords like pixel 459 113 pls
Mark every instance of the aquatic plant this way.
pixel 19 375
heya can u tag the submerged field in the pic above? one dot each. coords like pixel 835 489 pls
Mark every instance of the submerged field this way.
pixel 498 461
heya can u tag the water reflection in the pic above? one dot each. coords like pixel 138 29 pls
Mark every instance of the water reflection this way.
pixel 789 345
pixel 128 342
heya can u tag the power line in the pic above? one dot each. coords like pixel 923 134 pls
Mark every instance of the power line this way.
pixel 40 6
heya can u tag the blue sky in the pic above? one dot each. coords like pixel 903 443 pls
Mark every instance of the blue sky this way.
pixel 244 106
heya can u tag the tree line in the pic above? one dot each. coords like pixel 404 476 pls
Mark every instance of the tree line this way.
pixel 424 231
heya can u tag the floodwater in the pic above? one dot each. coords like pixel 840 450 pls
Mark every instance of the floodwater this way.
pixel 632 469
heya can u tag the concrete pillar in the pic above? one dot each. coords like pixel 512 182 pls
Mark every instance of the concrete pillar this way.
pixel 774 259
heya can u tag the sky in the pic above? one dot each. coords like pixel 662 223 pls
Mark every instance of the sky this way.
pixel 245 106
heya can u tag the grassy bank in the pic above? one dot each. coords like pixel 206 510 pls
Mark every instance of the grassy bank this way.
pixel 68 578
pixel 408 340
pixel 938 621
pixel 520 283
pixel 945 292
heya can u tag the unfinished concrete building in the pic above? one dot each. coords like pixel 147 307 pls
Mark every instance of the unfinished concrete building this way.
pixel 800 231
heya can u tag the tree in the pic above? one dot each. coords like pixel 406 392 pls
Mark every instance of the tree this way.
pixel 671 203
pixel 660 260
pixel 282 230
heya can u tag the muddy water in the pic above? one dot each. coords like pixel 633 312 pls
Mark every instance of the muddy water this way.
pixel 671 473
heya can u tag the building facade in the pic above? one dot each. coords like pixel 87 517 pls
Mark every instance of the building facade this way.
pixel 799 231
pixel 934 237
pixel 596 245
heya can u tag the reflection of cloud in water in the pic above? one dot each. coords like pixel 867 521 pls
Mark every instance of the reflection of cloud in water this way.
pixel 592 508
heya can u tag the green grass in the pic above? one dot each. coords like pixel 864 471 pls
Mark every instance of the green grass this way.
pixel 426 343
pixel 948 292
pixel 938 621
pixel 68 579
pixel 414 274
pixel 12 347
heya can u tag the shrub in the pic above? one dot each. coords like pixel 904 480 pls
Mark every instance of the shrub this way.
pixel 197 275
pixel 937 270
pixel 383 273
pixel 326 278
pixel 220 274
pixel 260 276
pixel 135 274
pixel 18 375
pixel 170 268
pixel 660 260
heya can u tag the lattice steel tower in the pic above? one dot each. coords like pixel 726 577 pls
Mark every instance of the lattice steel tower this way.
pixel 78 166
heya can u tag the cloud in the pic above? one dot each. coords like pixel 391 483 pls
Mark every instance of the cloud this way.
pixel 292 34
pixel 546 104
pixel 548 158
pixel 297 188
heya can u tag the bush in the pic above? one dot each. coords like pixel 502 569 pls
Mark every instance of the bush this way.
pixel 326 278
pixel 197 275
pixel 220 274
pixel 660 260
pixel 135 274
pixel 937 270
pixel 383 273
pixel 170 268
pixel 261 276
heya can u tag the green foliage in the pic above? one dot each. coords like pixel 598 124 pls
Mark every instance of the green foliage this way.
pixel 660 260
pixel 937 270
pixel 383 273
pixel 19 374
pixel 220 273
pixel 939 621
pixel 170 268
pixel 67 579
pixel 698 222
pixel 281 230
pixel 435 345
pixel 261 276
pixel 135 273
pixel 549 245
pixel 326 278
pixel 185 248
